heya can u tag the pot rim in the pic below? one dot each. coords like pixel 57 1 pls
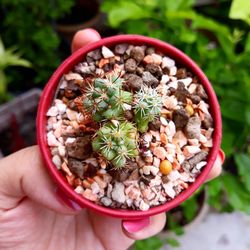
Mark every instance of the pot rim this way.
pixel 48 96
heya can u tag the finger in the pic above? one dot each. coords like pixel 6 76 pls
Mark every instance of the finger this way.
pixel 109 231
pixel 217 168
pixel 84 37
pixel 22 174
pixel 145 229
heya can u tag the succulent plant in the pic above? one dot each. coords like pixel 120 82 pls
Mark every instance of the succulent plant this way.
pixel 117 142
pixel 147 105
pixel 106 99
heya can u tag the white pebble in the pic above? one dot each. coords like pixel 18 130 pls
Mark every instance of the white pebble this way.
pixel 53 111
pixel 186 81
pixel 61 150
pixel 61 108
pixel 79 189
pixel 167 62
pixel 70 140
pixel 164 79
pixel 174 175
pixel 106 201
pixel 168 187
pixel 200 165
pixel 57 161
pixel 106 52
pixel 172 71
pixel 143 205
pixel 146 170
pixel 117 193
pixel 52 141
pixel 95 188
pixel 71 114
pixel 154 170
pixel 157 59
pixel 163 121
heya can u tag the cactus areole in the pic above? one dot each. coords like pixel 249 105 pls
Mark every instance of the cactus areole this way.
pixel 129 126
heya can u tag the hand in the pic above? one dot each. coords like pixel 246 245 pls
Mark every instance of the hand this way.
pixel 34 215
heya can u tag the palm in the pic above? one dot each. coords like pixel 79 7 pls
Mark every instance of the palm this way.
pixel 30 226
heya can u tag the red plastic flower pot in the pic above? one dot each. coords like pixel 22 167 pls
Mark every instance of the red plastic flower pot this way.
pixel 49 94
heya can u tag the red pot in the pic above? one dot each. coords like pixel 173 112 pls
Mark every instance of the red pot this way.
pixel 48 96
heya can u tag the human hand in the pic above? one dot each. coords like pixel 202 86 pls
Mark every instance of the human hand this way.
pixel 34 215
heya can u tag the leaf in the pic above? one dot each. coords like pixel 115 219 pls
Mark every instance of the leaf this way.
pixel 243 164
pixel 3 83
pixel 247 44
pixel 153 243
pixel 173 242
pixel 240 10
pixel 126 11
pixel 190 208
pixel 233 109
pixel 238 197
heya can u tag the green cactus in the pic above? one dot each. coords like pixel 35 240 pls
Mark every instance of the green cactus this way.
pixel 106 99
pixel 147 106
pixel 117 142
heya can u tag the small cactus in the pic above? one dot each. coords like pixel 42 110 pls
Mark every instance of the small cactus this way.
pixel 147 106
pixel 117 142
pixel 106 99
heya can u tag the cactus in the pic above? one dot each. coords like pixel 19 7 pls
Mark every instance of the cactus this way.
pixel 117 142
pixel 147 106
pixel 106 99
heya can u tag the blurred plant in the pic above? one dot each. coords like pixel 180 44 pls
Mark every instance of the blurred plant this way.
pixel 106 99
pixel 29 24
pixel 221 47
pixel 8 57
pixel 148 104
pixel 117 142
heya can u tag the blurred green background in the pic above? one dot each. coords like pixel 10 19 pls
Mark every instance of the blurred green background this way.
pixel 36 35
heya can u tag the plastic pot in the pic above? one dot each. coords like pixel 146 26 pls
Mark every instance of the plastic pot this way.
pixel 49 94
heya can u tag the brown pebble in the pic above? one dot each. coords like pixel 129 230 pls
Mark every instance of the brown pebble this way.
pixel 197 158
pixel 181 92
pixel 207 122
pixel 139 71
pixel 155 124
pixel 76 167
pixel 154 69
pixel 195 99
pixel 80 149
pixel 180 118
pixel 201 92
pixel 133 81
pixel 192 129
pixel 137 53
pixel 128 114
pixel 150 50
pixel 149 79
pixel 181 73
pixel 130 65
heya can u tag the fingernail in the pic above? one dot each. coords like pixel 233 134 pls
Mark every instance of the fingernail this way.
pixel 134 226
pixel 222 156
pixel 66 201
pixel 94 31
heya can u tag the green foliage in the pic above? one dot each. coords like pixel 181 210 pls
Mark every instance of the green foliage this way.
pixel 29 24
pixel 148 104
pixel 240 10
pixel 8 57
pixel 117 142
pixel 106 99
pixel 153 243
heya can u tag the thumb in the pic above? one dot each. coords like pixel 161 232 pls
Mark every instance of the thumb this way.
pixel 22 174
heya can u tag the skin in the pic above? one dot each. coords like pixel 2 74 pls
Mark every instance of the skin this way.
pixel 33 214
